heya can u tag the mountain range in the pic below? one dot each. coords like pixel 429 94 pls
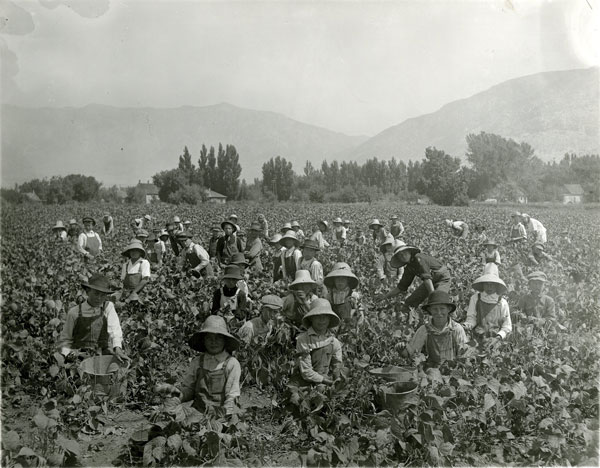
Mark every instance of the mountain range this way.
pixel 555 112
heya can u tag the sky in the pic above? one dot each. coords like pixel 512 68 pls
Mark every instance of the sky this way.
pixel 350 66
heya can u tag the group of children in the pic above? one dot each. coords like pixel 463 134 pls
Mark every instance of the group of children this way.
pixel 317 305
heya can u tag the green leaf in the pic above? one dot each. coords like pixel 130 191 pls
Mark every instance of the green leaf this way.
pixel 154 451
pixel 26 452
pixel 488 402
pixel 41 421
pixel 60 359
pixel 68 445
pixel 446 448
pixel 11 441
pixel 519 390
pixel 174 441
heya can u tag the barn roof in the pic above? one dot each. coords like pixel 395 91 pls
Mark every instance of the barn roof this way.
pixel 212 194
pixel 573 189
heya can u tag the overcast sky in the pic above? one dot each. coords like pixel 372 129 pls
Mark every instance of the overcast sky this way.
pixel 353 67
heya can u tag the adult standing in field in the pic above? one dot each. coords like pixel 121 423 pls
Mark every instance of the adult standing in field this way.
pixel 60 231
pixel 517 230
pixel 318 233
pixel 379 232
pixel 535 228
pixel 73 231
pixel 89 243
pixel 460 229
pixel 108 225
pixel 264 226
pixel 228 244
pixel 254 247
pixel 432 272
pixel 396 227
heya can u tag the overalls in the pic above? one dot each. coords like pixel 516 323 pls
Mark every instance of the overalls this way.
pixel 92 245
pixel 231 301
pixel 338 235
pixel 290 266
pixel 132 280
pixel 438 345
pixel 91 332
pixel 320 359
pixel 515 232
pixel 395 230
pixel 210 386
pixel 230 248
pixel 483 310
pixel 342 309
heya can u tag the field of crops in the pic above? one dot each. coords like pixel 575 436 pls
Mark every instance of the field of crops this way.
pixel 532 400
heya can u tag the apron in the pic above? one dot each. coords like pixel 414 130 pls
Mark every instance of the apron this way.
pixel 483 310
pixel 395 230
pixel 290 266
pixel 338 235
pixel 90 332
pixel 231 301
pixel 342 309
pixel 320 359
pixel 438 346
pixel 210 386
pixel 92 245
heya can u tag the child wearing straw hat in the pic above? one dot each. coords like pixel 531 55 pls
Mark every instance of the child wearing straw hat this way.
pixel 345 301
pixel 319 352
pixel 299 232
pixel 535 303
pixel 178 225
pixel 160 247
pixel 60 231
pixel 212 379
pixel 396 227
pixel 309 261
pixel 441 338
pixel 89 243
pixel 317 234
pixel 73 231
pixel 291 256
pixel 194 259
pixel 275 255
pixel 285 228
pixel 385 272
pixel 339 231
pixel 262 325
pixel 360 238
pixel 254 247
pixel 537 255
pixel 135 272
pixel 302 294
pixel 517 230
pixel 379 232
pixel 93 325
pixel 488 314
pixel 229 243
pixel 229 299
pixel 491 254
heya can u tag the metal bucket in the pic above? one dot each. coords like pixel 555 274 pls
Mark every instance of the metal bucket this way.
pixel 106 375
pixel 399 395
pixel 395 373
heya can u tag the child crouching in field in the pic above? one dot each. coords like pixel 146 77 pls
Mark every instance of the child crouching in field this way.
pixel 345 301
pixel 229 299
pixel 441 339
pixel 213 378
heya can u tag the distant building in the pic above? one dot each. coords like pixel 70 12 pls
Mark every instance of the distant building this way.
pixel 32 197
pixel 572 193
pixel 150 192
pixel 215 197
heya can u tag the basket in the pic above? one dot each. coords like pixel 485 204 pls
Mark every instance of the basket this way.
pixel 106 375
pixel 399 395
pixel 395 373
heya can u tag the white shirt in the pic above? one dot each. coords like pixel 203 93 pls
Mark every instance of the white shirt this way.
pixel 140 266
pixel 82 241
pixel 535 226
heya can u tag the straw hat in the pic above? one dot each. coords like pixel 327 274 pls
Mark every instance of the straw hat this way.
pixel 228 223
pixel 232 272
pixel 182 235
pixel 537 276
pixel 374 223
pixel 394 217
pixel 272 302
pixel 88 218
pixel 302 277
pixel 255 227
pixel 346 221
pixel 176 219
pixel 163 233
pixel 285 228
pixel 323 223
pixel 213 324
pixel 73 221
pixel 341 273
pixel 395 261
pixel 525 216
pixel 488 278
pixel 59 225
pixel 148 217
pixel 439 297
pixel 215 227
pixel 134 244
pixel 239 259
pixel 142 233
pixel 515 214
pixel 340 266
pixel 289 235
pixel 321 307
pixel 491 242
pixel 98 282
pixel 311 244
pixel 187 222
pixel 389 240
pixel 274 240
pixel 295 224
pixel 448 222
pixel 233 216
pixel 337 221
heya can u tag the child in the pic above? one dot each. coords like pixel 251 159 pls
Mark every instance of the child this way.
pixel 254 248
pixel 488 314
pixel 537 255
pixel 93 325
pixel 285 228
pixel 160 247
pixel 73 231
pixel 60 231
pixel 135 273
pixel 360 238
pixel 187 226
pixel 379 232
pixel 341 284
pixel 319 352
pixel 229 299
pixel 385 271
pixel 317 234
pixel 108 225
pixel 213 378
pixel 290 257
pixel 310 263
pixel 276 255
pixel 228 244
pixel 536 303
pixel 261 326
pixel 233 219
pixel 491 254
pixel 459 228
pixel 297 303
pixel 517 230
pixel 264 226
pixel 396 228
pixel 177 224
pixel 339 231
pixel 433 273
pixel 193 257
pixel 441 339
pixel 89 243
pixel 239 260
pixel 215 234
pixel 299 232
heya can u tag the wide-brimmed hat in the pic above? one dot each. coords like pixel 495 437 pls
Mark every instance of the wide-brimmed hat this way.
pixel 148 217
pixel 537 276
pixel 213 324
pixel 163 233
pixel 302 277
pixel 311 244
pixel 285 228
pixel 395 261
pixel 346 221
pixel 439 297
pixel 337 220
pixel 539 245
pixel 374 223
pixel 134 244
pixel 491 242
pixel 255 227
pixel 187 222
pixel 59 225
pixel 448 222
pixel 394 217
pixel 228 223
pixel 389 240
pixel 321 307
pixel 295 224
pixel 142 233
pixel 274 240
pixel 232 272
pixel 234 216
pixel 341 273
pixel 72 221
pixel 98 282
pixel 515 214
pixel 216 227
pixel 238 258
pixel 488 278
pixel 88 218
pixel 176 219
pixel 182 235
pixel 525 215
pixel 289 235
pixel 272 302
pixel 340 266
pixel 323 223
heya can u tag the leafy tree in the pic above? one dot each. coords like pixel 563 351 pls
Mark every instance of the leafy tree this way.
pixel 440 179
pixel 278 178
pixel 83 188
pixel 186 167
pixel 229 171
pixel 169 182
pixel 189 194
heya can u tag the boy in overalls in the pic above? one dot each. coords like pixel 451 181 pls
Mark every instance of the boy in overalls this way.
pixel 339 231
pixel 93 325
pixel 89 243
pixel 60 231
pixel 319 352
pixel 135 272
pixel 290 256
pixel 379 233
pixel 396 227
pixel 213 378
